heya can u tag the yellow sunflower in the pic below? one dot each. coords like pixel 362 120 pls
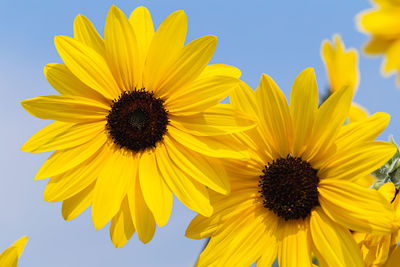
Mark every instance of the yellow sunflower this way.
pixel 341 66
pixel 376 248
pixel 137 119
pixel 382 23
pixel 10 256
pixel 296 195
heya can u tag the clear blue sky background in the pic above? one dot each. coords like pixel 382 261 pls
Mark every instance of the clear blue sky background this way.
pixel 279 38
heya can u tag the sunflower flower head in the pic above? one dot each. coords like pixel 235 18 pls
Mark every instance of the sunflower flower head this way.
pixel 296 196
pixel 137 119
pixel 10 256
pixel 382 23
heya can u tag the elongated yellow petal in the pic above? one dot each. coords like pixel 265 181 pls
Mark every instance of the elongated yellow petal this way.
pixel 65 185
pixel 156 193
pixel 197 167
pixel 218 120
pixel 224 209
pixel 384 22
pixel 392 62
pixel 333 244
pixel 268 257
pixel 303 108
pixel 66 83
pixel 142 25
pixel 358 161
pixel 142 217
pixel 240 242
pixel 377 45
pixel 394 258
pixel 218 147
pixel 365 130
pixel 65 108
pixel 122 229
pixel 202 94
pixel 220 70
pixel 190 62
pixel 61 135
pixel 75 205
pixel 355 207
pixel 164 48
pixel 9 257
pixel 295 244
pixel 86 64
pixel 64 160
pixel 276 119
pixel 191 193
pixel 122 49
pixel 331 116
pixel 357 113
pixel 85 32
pixel 111 187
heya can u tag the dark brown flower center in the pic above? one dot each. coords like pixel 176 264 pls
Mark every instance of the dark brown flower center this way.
pixel 289 188
pixel 137 120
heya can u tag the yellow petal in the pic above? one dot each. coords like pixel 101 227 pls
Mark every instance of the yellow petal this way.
pixel 218 120
pixel 220 70
pixel 122 229
pixel 200 95
pixel 9 257
pixel 341 64
pixel 75 205
pixel 196 166
pixel 224 209
pixel 240 242
pixel 303 107
pixel 191 193
pixel 61 135
pixel 218 147
pixel 357 113
pixel 64 160
pixel 331 116
pixel 164 48
pixel 392 62
pixel 190 62
pixel 142 25
pixel 277 121
pixel 333 244
pixel 366 130
pixel 66 108
pixel 377 45
pixel 122 51
pixel 87 65
pixel 111 187
pixel 383 22
pixel 66 83
pixel 65 185
pixel 295 244
pixel 85 32
pixel 357 161
pixel 388 190
pixel 355 207
pixel 394 258
pixel 142 217
pixel 156 193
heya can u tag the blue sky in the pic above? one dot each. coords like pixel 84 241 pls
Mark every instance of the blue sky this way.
pixel 279 38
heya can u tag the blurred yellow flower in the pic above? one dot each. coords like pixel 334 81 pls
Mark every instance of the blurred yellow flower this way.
pixel 10 256
pixel 296 195
pixel 342 69
pixel 382 23
pixel 137 119
pixel 376 248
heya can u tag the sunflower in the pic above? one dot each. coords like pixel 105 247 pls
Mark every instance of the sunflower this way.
pixel 137 119
pixel 377 248
pixel 10 256
pixel 341 66
pixel 296 195
pixel 382 23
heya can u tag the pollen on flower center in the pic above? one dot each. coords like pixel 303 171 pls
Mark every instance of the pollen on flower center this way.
pixel 289 188
pixel 137 120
